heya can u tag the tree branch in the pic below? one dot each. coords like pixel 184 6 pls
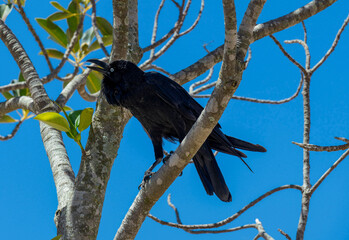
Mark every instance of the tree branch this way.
pixel 234 216
pixel 323 177
pixel 35 35
pixel 334 44
pixel 13 133
pixel 15 103
pixel 95 29
pixel 260 31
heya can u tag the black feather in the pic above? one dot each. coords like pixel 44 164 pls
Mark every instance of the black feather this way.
pixel 166 110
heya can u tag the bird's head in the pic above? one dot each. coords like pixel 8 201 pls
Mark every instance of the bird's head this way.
pixel 116 70
pixel 117 76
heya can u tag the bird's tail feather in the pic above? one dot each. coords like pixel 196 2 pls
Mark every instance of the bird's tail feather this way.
pixel 237 143
pixel 210 174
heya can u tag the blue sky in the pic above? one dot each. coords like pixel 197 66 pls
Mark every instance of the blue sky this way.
pixel 27 191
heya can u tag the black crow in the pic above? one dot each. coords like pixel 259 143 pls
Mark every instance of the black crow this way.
pixel 166 110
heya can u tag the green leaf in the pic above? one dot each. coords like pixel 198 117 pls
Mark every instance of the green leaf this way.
pixel 5 10
pixel 60 15
pixel 25 91
pixel 53 53
pixel 67 108
pixel 85 119
pixel 58 6
pixel 7 95
pixel 75 117
pixel 93 82
pixel 7 119
pixel 55 32
pixel 57 237
pixel 54 120
pixel 73 22
pixel 87 38
pixel 104 26
pixel 107 40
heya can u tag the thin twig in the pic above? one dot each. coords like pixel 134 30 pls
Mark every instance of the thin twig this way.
pixel 265 101
pixel 316 148
pixel 334 44
pixel 249 57
pixel 169 34
pixel 323 177
pixel 285 234
pixel 261 232
pixel 288 55
pixel 35 35
pixel 13 133
pixel 70 47
pixel 193 92
pixel 306 49
pixel 95 29
pixel 196 20
pixel 305 32
pixel 234 216
pixel 155 28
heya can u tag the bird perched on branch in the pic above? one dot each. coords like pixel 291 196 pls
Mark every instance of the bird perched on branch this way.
pixel 166 110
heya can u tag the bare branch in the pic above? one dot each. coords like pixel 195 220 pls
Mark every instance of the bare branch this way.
pixel 15 103
pixel 35 35
pixel 334 44
pixel 323 177
pixel 169 34
pixel 288 55
pixel 62 172
pixel 155 29
pixel 196 20
pixel 249 57
pixel 95 29
pixel 160 69
pixel 260 31
pixel 13 133
pixel 306 49
pixel 316 148
pixel 256 100
pixel 87 96
pixel 67 92
pixel 305 32
pixel 261 231
pixel 13 86
pixel 67 52
pixel 247 25
pixel 176 34
pixel 306 161
pixel 285 234
pixel 121 30
pixel 192 92
pixel 234 216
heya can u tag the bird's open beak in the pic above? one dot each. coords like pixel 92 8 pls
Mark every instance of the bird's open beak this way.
pixel 103 66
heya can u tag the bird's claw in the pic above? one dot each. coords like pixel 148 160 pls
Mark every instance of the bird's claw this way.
pixel 147 176
pixel 167 157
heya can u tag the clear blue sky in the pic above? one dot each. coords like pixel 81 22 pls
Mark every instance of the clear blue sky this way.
pixel 27 191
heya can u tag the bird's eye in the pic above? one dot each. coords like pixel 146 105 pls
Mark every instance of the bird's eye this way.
pixel 111 70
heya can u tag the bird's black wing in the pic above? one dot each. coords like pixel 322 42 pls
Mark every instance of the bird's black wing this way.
pixel 174 95
pixel 178 98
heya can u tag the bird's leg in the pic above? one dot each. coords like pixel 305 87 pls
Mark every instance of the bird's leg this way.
pixel 157 144
pixel 149 173
pixel 167 157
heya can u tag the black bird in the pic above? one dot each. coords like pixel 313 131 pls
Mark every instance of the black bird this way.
pixel 166 110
